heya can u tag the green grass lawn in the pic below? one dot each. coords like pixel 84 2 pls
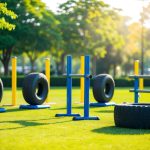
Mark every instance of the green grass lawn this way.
pixel 39 129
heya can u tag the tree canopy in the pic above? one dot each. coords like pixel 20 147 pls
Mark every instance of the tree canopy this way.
pixel 4 13
pixel 79 27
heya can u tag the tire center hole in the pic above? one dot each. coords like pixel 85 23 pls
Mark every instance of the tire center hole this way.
pixel 107 89
pixel 39 90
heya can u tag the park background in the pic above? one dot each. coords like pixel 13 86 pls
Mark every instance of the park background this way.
pixel 34 30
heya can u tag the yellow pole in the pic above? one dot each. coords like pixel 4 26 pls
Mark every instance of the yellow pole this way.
pixel 141 83
pixel 47 73
pixel 136 67
pixel 136 72
pixel 14 80
pixel 82 80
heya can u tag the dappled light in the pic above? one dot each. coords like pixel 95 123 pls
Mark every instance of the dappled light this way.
pixel 74 74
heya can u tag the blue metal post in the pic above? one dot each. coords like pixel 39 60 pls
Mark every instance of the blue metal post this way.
pixel 86 92
pixel 69 90
pixel 136 87
pixel 69 84
pixel 87 86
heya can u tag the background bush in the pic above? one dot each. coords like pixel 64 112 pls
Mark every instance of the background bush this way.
pixel 61 81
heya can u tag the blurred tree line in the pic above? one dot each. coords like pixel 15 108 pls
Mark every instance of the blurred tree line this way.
pixel 28 28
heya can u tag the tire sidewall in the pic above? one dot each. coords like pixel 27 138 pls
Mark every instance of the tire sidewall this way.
pixel 107 80
pixel 1 90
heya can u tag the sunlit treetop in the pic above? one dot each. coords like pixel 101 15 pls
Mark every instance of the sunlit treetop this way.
pixel 6 12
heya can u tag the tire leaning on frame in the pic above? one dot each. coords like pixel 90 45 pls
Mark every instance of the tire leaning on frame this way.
pixel 35 88
pixel 103 88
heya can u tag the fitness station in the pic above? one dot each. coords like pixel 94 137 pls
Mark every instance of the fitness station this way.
pixel 75 74
pixel 36 86
pixel 136 115
pixel 35 90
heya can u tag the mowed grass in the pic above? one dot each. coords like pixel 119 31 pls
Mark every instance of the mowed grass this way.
pixel 40 129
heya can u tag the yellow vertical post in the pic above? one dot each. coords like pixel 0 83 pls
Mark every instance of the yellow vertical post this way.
pixel 82 79
pixel 141 83
pixel 14 80
pixel 47 73
pixel 136 72
pixel 136 67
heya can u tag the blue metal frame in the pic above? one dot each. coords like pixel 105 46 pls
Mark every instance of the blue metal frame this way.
pixel 2 110
pixel 86 92
pixel 136 87
pixel 69 90
pixel 34 106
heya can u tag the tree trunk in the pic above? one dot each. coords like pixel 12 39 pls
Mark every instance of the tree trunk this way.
pixel 94 65
pixel 102 66
pixel 32 57
pixel 5 59
pixel 23 64
pixel 62 63
pixel 32 65
pixel 58 68
pixel 114 70
pixel 6 69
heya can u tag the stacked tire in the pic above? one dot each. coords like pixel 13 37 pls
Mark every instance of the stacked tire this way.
pixel 135 116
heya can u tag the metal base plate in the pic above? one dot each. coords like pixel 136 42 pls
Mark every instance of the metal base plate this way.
pixel 102 104
pixel 67 115
pixel 85 118
pixel 2 110
pixel 34 106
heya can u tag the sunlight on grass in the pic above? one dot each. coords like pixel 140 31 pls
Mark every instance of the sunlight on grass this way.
pixel 39 129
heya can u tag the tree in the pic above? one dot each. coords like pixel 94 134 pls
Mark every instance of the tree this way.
pixel 113 43
pixel 6 41
pixel 33 26
pixel 131 49
pixel 39 36
pixel 88 28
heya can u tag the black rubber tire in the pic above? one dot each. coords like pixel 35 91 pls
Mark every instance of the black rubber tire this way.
pixel 35 88
pixel 1 90
pixel 103 88
pixel 135 116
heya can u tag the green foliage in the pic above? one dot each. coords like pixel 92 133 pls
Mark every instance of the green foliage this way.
pixel 80 27
pixel 89 26
pixel 6 12
pixel 36 31
pixel 61 81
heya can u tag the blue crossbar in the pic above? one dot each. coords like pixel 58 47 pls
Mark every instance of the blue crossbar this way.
pixel 2 110
pixel 102 104
pixel 34 106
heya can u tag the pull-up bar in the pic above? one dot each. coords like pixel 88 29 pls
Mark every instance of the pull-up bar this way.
pixel 86 77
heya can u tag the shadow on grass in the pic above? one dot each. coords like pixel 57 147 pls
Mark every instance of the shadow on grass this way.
pixel 121 131
pixel 64 108
pixel 105 111
pixel 15 110
pixel 30 123
pixel 19 110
